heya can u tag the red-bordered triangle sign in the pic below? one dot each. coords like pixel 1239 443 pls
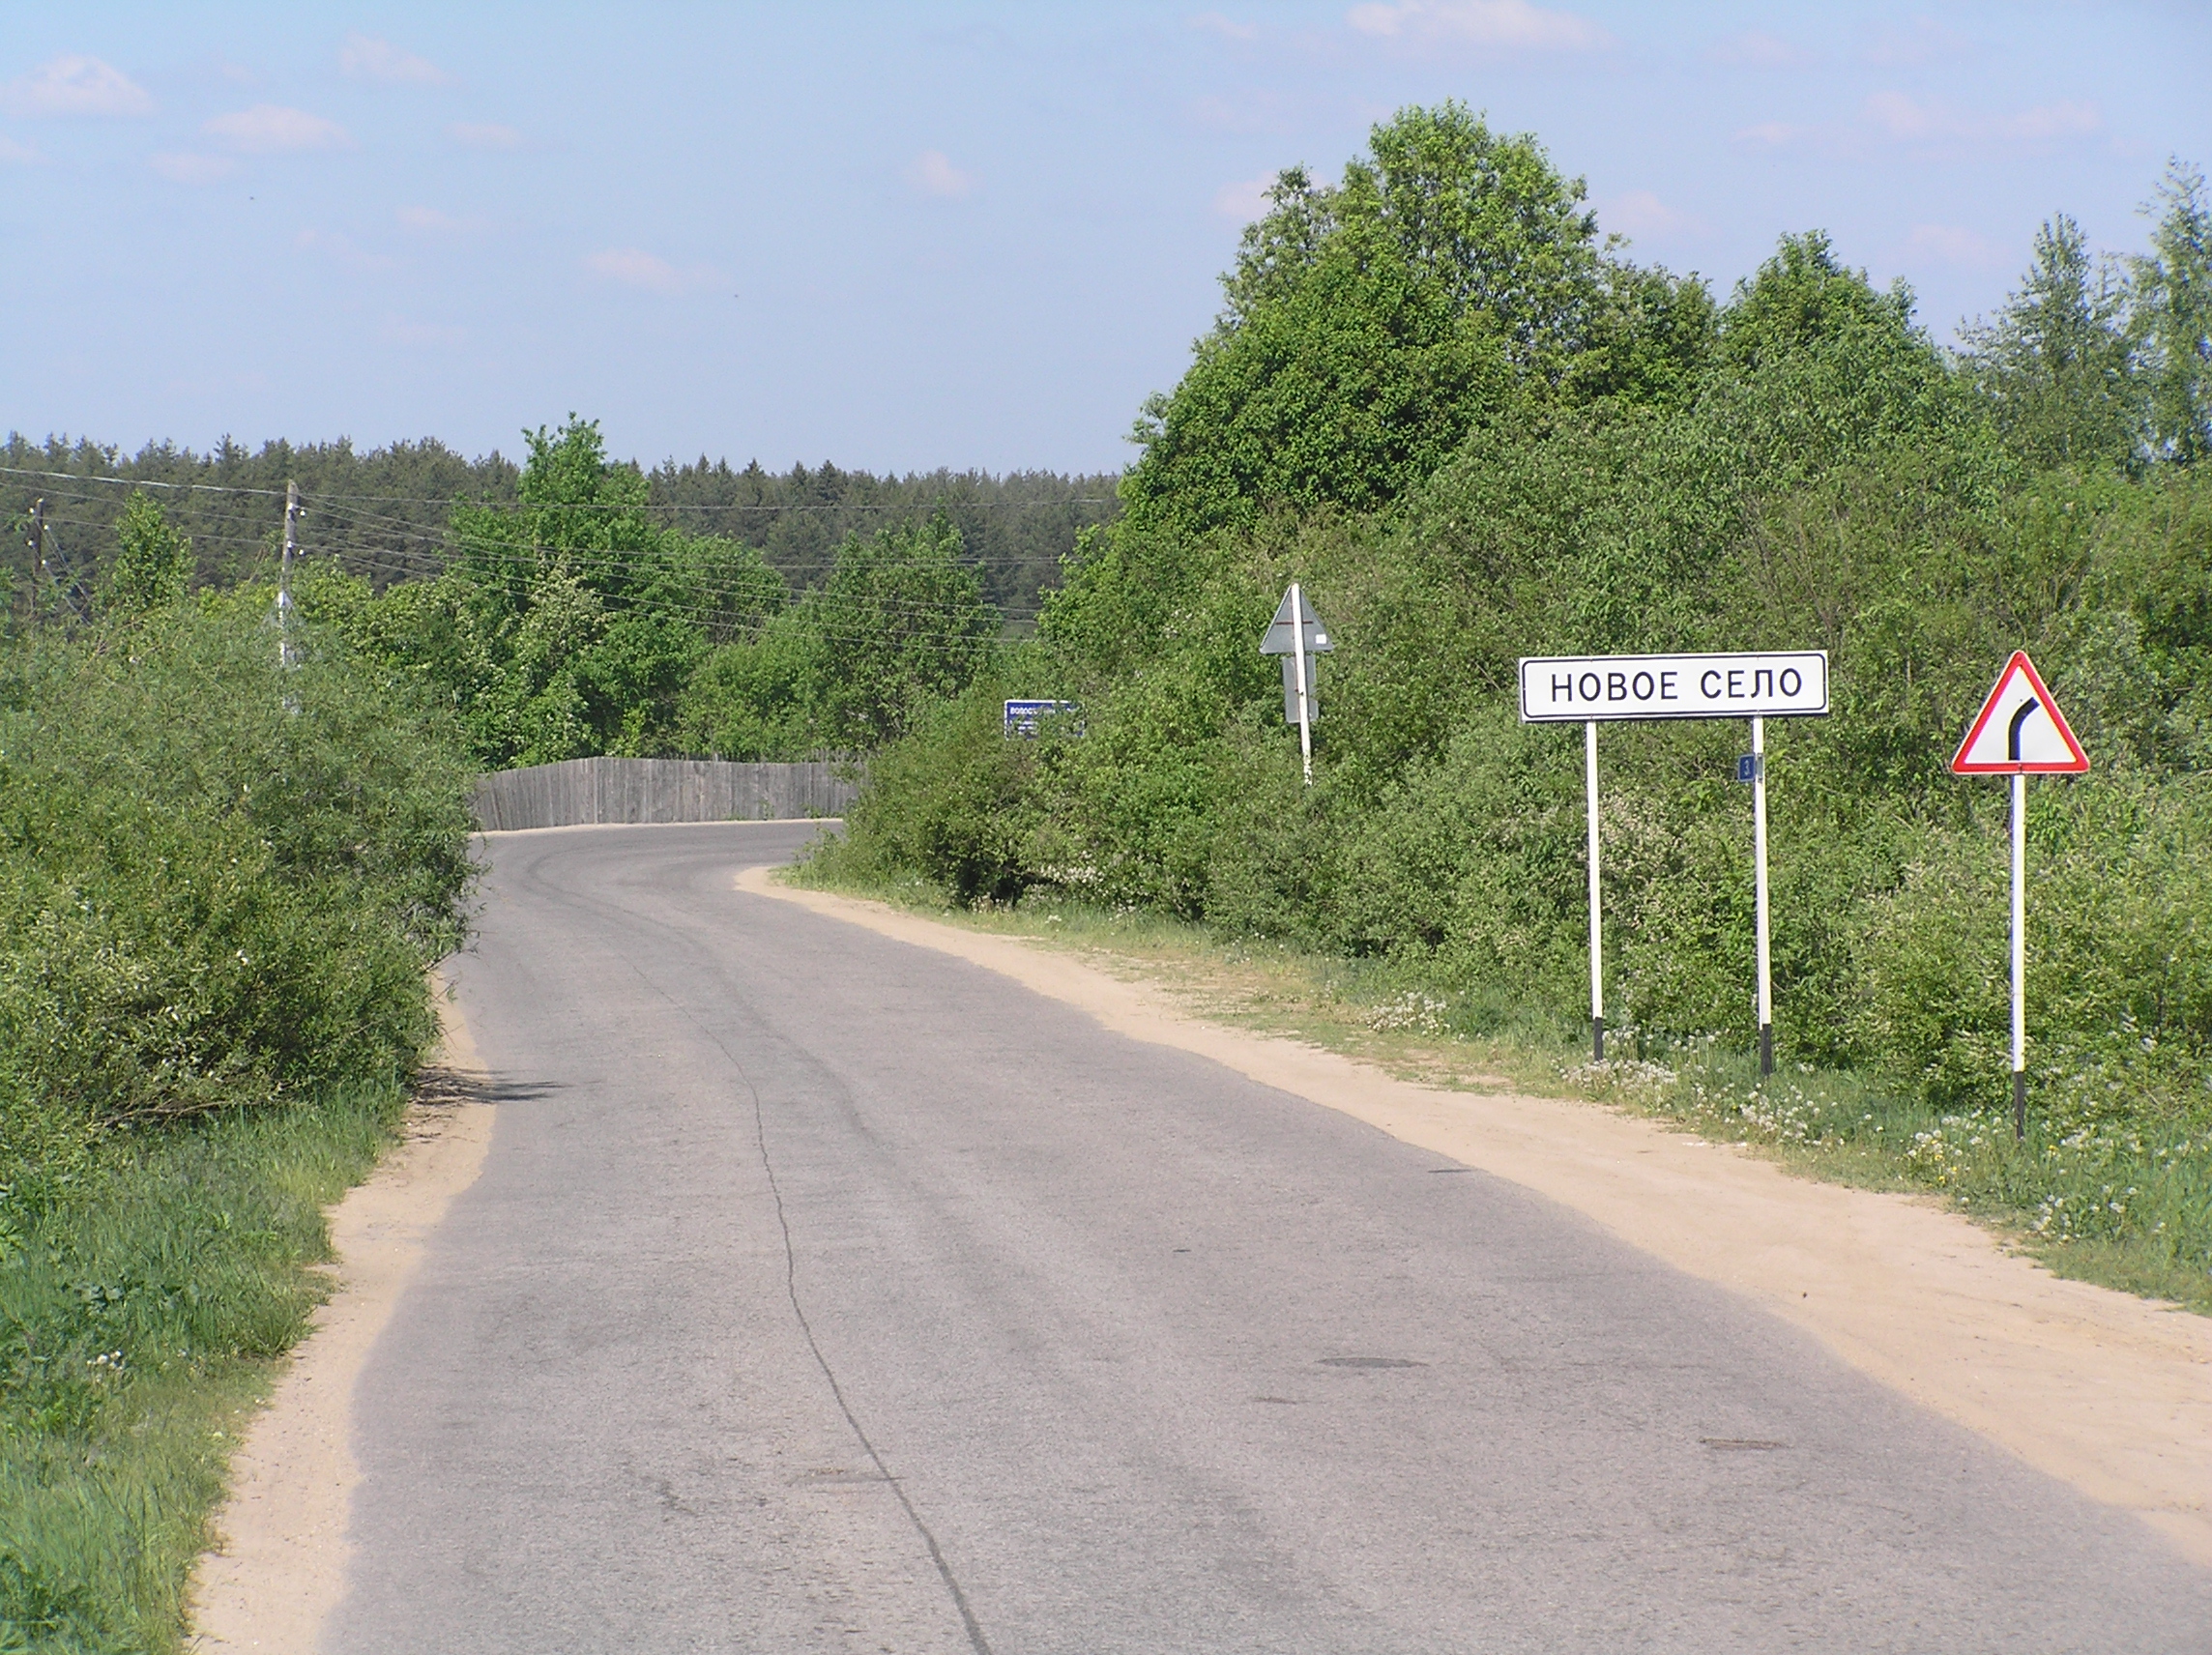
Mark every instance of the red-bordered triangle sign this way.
pixel 2019 729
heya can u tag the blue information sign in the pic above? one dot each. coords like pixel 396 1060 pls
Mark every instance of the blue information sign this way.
pixel 1023 716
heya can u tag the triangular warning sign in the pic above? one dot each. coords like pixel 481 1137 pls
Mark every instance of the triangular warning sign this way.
pixel 2019 729
pixel 1281 641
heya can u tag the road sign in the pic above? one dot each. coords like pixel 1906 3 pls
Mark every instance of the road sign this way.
pixel 1282 632
pixel 1755 685
pixel 2019 732
pixel 1766 683
pixel 1298 635
pixel 1022 717
pixel 2019 729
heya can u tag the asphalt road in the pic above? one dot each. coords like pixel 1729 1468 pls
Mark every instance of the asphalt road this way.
pixel 824 1294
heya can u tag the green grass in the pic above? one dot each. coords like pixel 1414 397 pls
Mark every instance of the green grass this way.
pixel 146 1298
pixel 2111 1185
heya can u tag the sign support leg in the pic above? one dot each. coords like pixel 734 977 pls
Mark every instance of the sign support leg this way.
pixel 1765 922
pixel 1298 649
pixel 1596 928
pixel 2019 955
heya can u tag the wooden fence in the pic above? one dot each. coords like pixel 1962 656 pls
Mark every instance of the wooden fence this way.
pixel 584 791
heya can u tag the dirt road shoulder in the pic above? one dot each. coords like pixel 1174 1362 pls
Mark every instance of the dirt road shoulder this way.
pixel 280 1568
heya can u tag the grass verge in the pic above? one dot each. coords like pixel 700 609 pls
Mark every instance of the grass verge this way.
pixel 148 1294
pixel 2099 1191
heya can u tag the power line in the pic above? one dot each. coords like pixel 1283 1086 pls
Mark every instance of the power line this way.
pixel 925 618
pixel 380 542
pixel 400 529
pixel 704 616
pixel 649 505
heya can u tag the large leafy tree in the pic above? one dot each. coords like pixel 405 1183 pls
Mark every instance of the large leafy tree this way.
pixel 569 622
pixel 2056 364
pixel 1371 322
pixel 902 622
pixel 2174 318
pixel 153 563
pixel 899 624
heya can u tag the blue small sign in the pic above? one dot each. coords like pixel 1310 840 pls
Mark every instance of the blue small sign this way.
pixel 1023 716
pixel 1750 766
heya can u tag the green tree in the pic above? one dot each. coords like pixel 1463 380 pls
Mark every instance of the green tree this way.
pixel 902 622
pixel 2174 318
pixel 1371 324
pixel 760 697
pixel 153 563
pixel 2056 364
pixel 1814 367
pixel 569 622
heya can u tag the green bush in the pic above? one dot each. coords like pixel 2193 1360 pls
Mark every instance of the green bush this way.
pixel 221 885
pixel 220 880
pixel 955 805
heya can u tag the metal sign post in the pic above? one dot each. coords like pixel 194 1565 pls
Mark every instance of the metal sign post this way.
pixel 1298 635
pixel 2019 732
pixel 1597 928
pixel 1758 685
pixel 1764 924
pixel 2019 956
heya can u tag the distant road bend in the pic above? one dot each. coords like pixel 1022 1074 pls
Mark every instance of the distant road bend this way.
pixel 822 1294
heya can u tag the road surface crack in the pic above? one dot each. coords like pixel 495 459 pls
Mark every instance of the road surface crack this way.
pixel 975 1629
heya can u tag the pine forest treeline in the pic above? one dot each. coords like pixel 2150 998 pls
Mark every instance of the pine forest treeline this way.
pixel 384 514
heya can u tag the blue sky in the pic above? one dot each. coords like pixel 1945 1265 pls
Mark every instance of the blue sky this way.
pixel 900 236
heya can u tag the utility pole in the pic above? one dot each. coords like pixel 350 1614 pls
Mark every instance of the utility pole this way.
pixel 38 552
pixel 284 575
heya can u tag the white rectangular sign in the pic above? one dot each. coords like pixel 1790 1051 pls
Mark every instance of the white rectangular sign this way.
pixel 1765 685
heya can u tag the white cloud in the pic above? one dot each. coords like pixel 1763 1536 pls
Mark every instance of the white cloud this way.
pixel 267 128
pixel 634 267
pixel 1479 22
pixel 1926 42
pixel 191 168
pixel 367 58
pixel 431 221
pixel 1226 28
pixel 1956 246
pixel 1756 48
pixel 399 330
pixel 2061 120
pixel 1901 117
pixel 1909 120
pixel 484 135
pixel 1641 212
pixel 1252 110
pixel 343 250
pixel 1244 200
pixel 933 173
pixel 14 154
pixel 75 85
pixel 1768 135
